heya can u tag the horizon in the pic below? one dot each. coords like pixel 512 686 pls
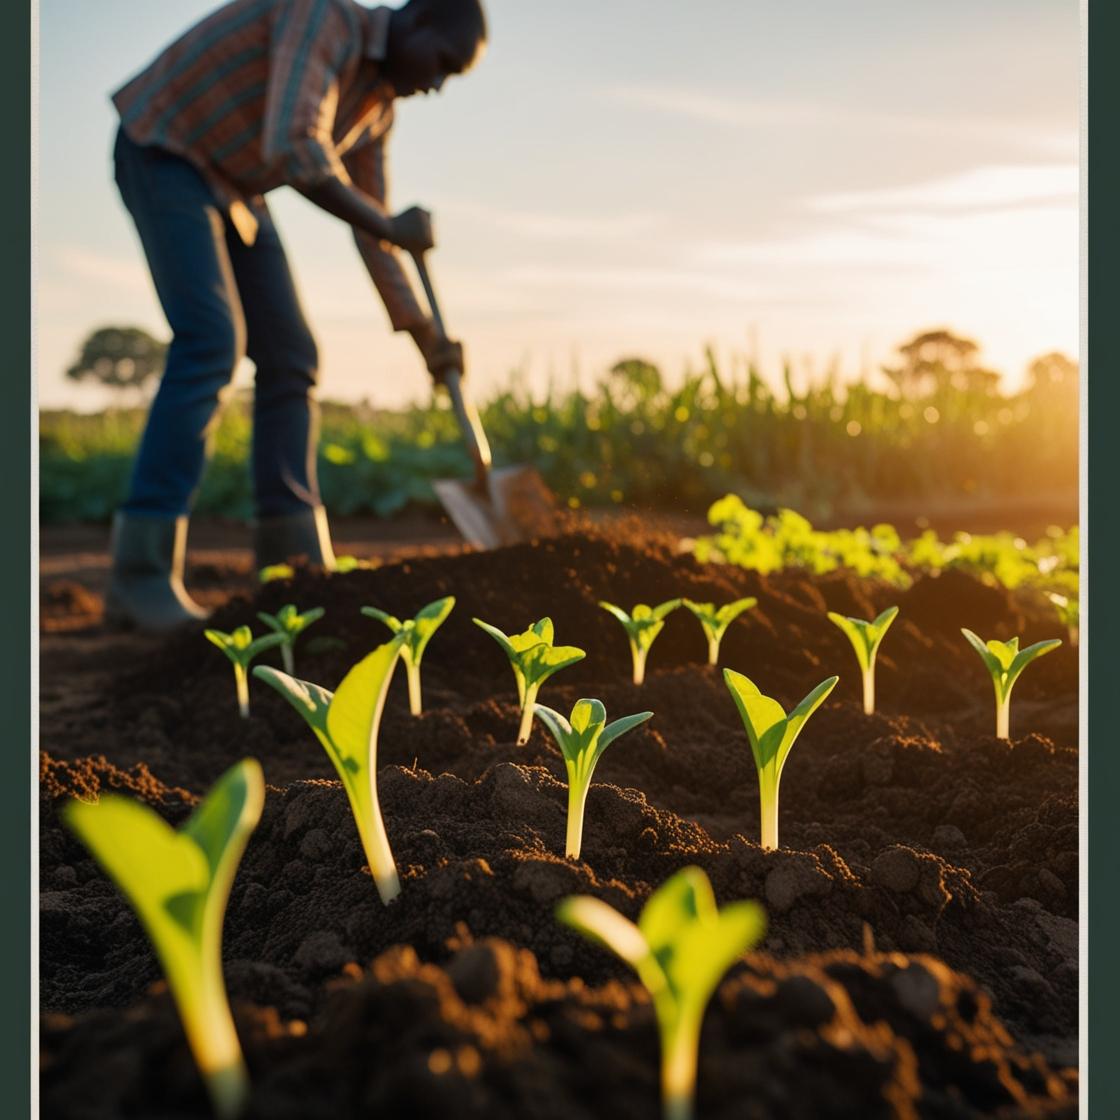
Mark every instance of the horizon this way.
pixel 813 198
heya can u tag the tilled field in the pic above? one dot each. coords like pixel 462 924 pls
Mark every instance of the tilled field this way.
pixel 921 958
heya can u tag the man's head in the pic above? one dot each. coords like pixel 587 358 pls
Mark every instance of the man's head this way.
pixel 429 40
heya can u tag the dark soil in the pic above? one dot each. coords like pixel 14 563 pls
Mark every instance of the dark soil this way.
pixel 922 951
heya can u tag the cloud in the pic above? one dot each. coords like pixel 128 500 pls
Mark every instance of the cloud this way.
pixel 979 188
pixel 555 226
pixel 718 109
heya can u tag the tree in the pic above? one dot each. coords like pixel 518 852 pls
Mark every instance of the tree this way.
pixel 120 358
pixel 635 379
pixel 1053 371
pixel 935 361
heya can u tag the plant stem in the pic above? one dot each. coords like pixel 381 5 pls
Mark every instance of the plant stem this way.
pixel 869 690
pixel 379 855
pixel 577 801
pixel 679 1051
pixel 288 656
pixel 415 700
pixel 526 727
pixel 768 812
pixel 713 650
pixel 241 676
pixel 639 655
pixel 200 995
pixel 1003 718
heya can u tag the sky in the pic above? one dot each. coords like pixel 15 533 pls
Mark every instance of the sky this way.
pixel 805 181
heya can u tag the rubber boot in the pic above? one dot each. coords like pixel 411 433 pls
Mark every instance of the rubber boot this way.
pixel 304 535
pixel 146 577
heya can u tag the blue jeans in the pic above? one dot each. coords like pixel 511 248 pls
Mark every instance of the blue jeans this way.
pixel 223 299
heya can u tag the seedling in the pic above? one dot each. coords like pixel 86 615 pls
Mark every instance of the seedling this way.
pixel 642 626
pixel 344 564
pixel 273 572
pixel 241 647
pixel 346 722
pixel 865 638
pixel 680 948
pixel 289 624
pixel 417 632
pixel 178 883
pixel 1005 661
pixel 1069 612
pixel 534 659
pixel 716 620
pixel 582 739
pixel 772 734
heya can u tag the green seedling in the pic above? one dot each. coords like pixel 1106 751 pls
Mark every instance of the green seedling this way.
pixel 865 638
pixel 289 624
pixel 772 734
pixel 680 948
pixel 533 659
pixel 1069 612
pixel 241 647
pixel 582 738
pixel 716 620
pixel 178 882
pixel 274 572
pixel 417 632
pixel 642 626
pixel 344 564
pixel 1005 661
pixel 346 723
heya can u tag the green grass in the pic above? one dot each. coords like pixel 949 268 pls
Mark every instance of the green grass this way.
pixel 630 441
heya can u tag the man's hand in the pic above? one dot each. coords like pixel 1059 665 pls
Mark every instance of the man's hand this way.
pixel 412 230
pixel 441 353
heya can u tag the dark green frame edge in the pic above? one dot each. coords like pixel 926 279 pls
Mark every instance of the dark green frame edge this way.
pixel 1100 402
pixel 15 559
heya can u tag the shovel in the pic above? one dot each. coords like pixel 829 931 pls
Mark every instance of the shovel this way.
pixel 499 506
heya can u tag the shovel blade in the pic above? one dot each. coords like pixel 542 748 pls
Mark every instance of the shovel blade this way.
pixel 516 507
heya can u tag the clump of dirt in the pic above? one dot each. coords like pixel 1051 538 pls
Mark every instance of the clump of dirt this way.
pixel 913 828
pixel 828 1036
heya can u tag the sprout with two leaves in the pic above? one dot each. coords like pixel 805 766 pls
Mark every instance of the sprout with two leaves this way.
pixel 417 632
pixel 715 621
pixel 346 724
pixel 582 738
pixel 178 882
pixel 241 648
pixel 289 624
pixel 533 659
pixel 680 948
pixel 642 626
pixel 865 638
pixel 1005 661
pixel 772 734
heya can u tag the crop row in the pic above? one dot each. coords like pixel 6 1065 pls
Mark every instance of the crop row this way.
pixel 178 882
pixel 631 440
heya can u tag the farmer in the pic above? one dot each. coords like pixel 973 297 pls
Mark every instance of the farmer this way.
pixel 262 94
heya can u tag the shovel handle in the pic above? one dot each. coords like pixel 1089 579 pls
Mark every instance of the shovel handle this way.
pixel 465 412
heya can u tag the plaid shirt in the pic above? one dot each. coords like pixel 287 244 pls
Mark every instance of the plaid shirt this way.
pixel 270 93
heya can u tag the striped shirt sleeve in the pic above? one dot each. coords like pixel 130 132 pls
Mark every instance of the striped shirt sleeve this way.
pixel 366 165
pixel 310 39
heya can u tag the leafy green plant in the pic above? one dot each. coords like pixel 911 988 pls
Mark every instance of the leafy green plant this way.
pixel 582 738
pixel 715 621
pixel 346 724
pixel 417 633
pixel 1069 613
pixel 178 882
pixel 1005 661
pixel 642 626
pixel 274 572
pixel 241 647
pixel 680 948
pixel 865 638
pixel 772 734
pixel 534 659
pixel 289 624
